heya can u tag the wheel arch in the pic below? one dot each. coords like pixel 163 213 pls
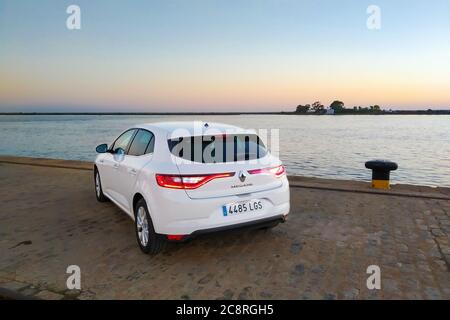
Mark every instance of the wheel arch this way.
pixel 137 196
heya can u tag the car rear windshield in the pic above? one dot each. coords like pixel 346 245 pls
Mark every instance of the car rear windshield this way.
pixel 218 148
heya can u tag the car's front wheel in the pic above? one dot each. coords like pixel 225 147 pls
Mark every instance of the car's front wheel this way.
pixel 149 241
pixel 98 187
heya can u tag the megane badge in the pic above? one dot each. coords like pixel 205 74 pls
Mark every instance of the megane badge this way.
pixel 242 176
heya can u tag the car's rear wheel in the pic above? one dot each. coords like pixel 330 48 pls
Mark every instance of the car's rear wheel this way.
pixel 149 241
pixel 98 187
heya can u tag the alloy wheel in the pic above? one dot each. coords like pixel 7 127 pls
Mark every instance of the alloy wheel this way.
pixel 142 226
pixel 97 184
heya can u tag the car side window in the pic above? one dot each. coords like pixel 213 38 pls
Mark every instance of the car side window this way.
pixel 124 140
pixel 142 143
pixel 151 145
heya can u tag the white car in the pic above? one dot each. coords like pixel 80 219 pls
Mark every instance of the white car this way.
pixel 180 179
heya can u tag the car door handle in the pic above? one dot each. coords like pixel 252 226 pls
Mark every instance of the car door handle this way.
pixel 101 161
pixel 116 166
pixel 132 171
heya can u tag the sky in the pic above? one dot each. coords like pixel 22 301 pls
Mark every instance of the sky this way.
pixel 222 55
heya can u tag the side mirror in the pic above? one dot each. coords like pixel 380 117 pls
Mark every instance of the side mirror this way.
pixel 101 148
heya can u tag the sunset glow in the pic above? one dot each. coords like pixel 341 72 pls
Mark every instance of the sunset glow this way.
pixel 222 55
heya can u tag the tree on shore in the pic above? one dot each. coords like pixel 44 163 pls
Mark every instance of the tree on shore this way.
pixel 337 106
pixel 318 107
pixel 303 108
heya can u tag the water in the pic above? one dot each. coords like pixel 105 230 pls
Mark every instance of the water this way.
pixel 318 146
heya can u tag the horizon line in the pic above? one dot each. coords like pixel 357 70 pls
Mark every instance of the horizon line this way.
pixel 382 112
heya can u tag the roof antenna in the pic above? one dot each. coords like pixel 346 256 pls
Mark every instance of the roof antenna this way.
pixel 206 125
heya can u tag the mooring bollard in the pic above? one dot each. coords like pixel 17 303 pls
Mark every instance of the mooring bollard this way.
pixel 380 172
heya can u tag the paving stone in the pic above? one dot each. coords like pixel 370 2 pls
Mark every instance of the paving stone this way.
pixel 437 232
pixel 299 269
pixel 389 285
pixel 87 295
pixel 48 295
pixel 447 258
pixel 228 294
pixel 432 293
pixel 424 267
pixel 29 291
pixel 296 247
pixel 445 249
pixel 71 294
pixel 266 295
pixel 441 264
pixel 329 296
pixel 351 294
pixel 13 285
pixel 414 296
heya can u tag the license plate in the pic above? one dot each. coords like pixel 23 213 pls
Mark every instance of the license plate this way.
pixel 232 209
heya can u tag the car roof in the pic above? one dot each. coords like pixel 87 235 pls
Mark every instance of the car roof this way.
pixel 192 128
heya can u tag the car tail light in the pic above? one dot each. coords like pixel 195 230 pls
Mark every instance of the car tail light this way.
pixel 276 171
pixel 175 237
pixel 188 181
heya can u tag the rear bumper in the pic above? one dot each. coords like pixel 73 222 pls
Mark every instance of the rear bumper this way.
pixel 245 225
pixel 256 224
pixel 173 213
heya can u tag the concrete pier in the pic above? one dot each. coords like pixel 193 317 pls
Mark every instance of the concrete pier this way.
pixel 49 219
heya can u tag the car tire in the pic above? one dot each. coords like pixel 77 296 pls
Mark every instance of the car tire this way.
pixel 98 187
pixel 149 241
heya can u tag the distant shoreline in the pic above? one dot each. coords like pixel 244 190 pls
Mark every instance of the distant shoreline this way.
pixel 394 112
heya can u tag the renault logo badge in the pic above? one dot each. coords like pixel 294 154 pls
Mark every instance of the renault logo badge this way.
pixel 242 176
